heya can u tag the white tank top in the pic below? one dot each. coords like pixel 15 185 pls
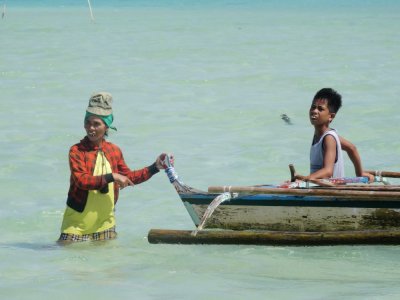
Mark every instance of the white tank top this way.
pixel 317 155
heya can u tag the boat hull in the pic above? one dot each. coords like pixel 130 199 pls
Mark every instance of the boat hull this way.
pixel 294 213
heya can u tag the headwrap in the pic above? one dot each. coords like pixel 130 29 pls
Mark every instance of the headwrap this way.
pixel 106 119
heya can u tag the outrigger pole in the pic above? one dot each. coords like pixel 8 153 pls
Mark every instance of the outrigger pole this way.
pixel 286 238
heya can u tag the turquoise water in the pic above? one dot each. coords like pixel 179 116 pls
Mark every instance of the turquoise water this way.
pixel 207 81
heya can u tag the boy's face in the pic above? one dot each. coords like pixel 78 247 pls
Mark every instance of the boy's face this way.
pixel 319 112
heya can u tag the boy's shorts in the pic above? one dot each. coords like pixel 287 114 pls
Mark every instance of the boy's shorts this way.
pixel 108 234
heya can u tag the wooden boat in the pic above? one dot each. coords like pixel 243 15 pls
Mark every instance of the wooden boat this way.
pixel 344 213
pixel 268 207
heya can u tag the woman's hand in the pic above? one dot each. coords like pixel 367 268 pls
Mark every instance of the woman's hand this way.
pixel 122 180
pixel 165 161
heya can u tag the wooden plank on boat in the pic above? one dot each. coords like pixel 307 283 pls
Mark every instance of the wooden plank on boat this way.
pixel 341 194
pixel 389 174
pixel 381 237
pixel 393 188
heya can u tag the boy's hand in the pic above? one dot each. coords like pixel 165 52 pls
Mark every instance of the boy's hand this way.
pixel 371 178
pixel 301 177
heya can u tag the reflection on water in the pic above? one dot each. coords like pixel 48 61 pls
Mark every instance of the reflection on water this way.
pixel 30 246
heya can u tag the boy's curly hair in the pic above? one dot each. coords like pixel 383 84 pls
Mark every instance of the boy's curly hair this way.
pixel 334 98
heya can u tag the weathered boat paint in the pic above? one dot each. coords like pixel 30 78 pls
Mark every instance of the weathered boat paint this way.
pixel 294 213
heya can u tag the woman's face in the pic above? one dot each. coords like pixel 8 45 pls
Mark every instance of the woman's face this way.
pixel 95 129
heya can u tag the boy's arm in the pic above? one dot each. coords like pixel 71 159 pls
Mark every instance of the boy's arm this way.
pixel 354 156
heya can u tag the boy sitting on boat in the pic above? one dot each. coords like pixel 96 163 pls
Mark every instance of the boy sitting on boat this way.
pixel 326 159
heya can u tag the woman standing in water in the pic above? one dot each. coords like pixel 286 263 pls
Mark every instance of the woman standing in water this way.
pixel 98 171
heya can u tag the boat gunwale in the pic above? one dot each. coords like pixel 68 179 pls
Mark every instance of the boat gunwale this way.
pixel 278 200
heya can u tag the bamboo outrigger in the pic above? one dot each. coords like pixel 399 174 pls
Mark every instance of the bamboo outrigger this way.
pixel 379 237
pixel 270 214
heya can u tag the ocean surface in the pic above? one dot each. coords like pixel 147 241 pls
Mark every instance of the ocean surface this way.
pixel 207 81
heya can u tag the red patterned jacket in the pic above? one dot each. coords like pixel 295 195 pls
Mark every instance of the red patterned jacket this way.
pixel 82 161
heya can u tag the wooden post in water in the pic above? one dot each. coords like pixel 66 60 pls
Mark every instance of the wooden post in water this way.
pixel 90 10
pixel 3 13
pixel 165 236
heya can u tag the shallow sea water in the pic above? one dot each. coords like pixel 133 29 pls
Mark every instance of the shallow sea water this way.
pixel 207 82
